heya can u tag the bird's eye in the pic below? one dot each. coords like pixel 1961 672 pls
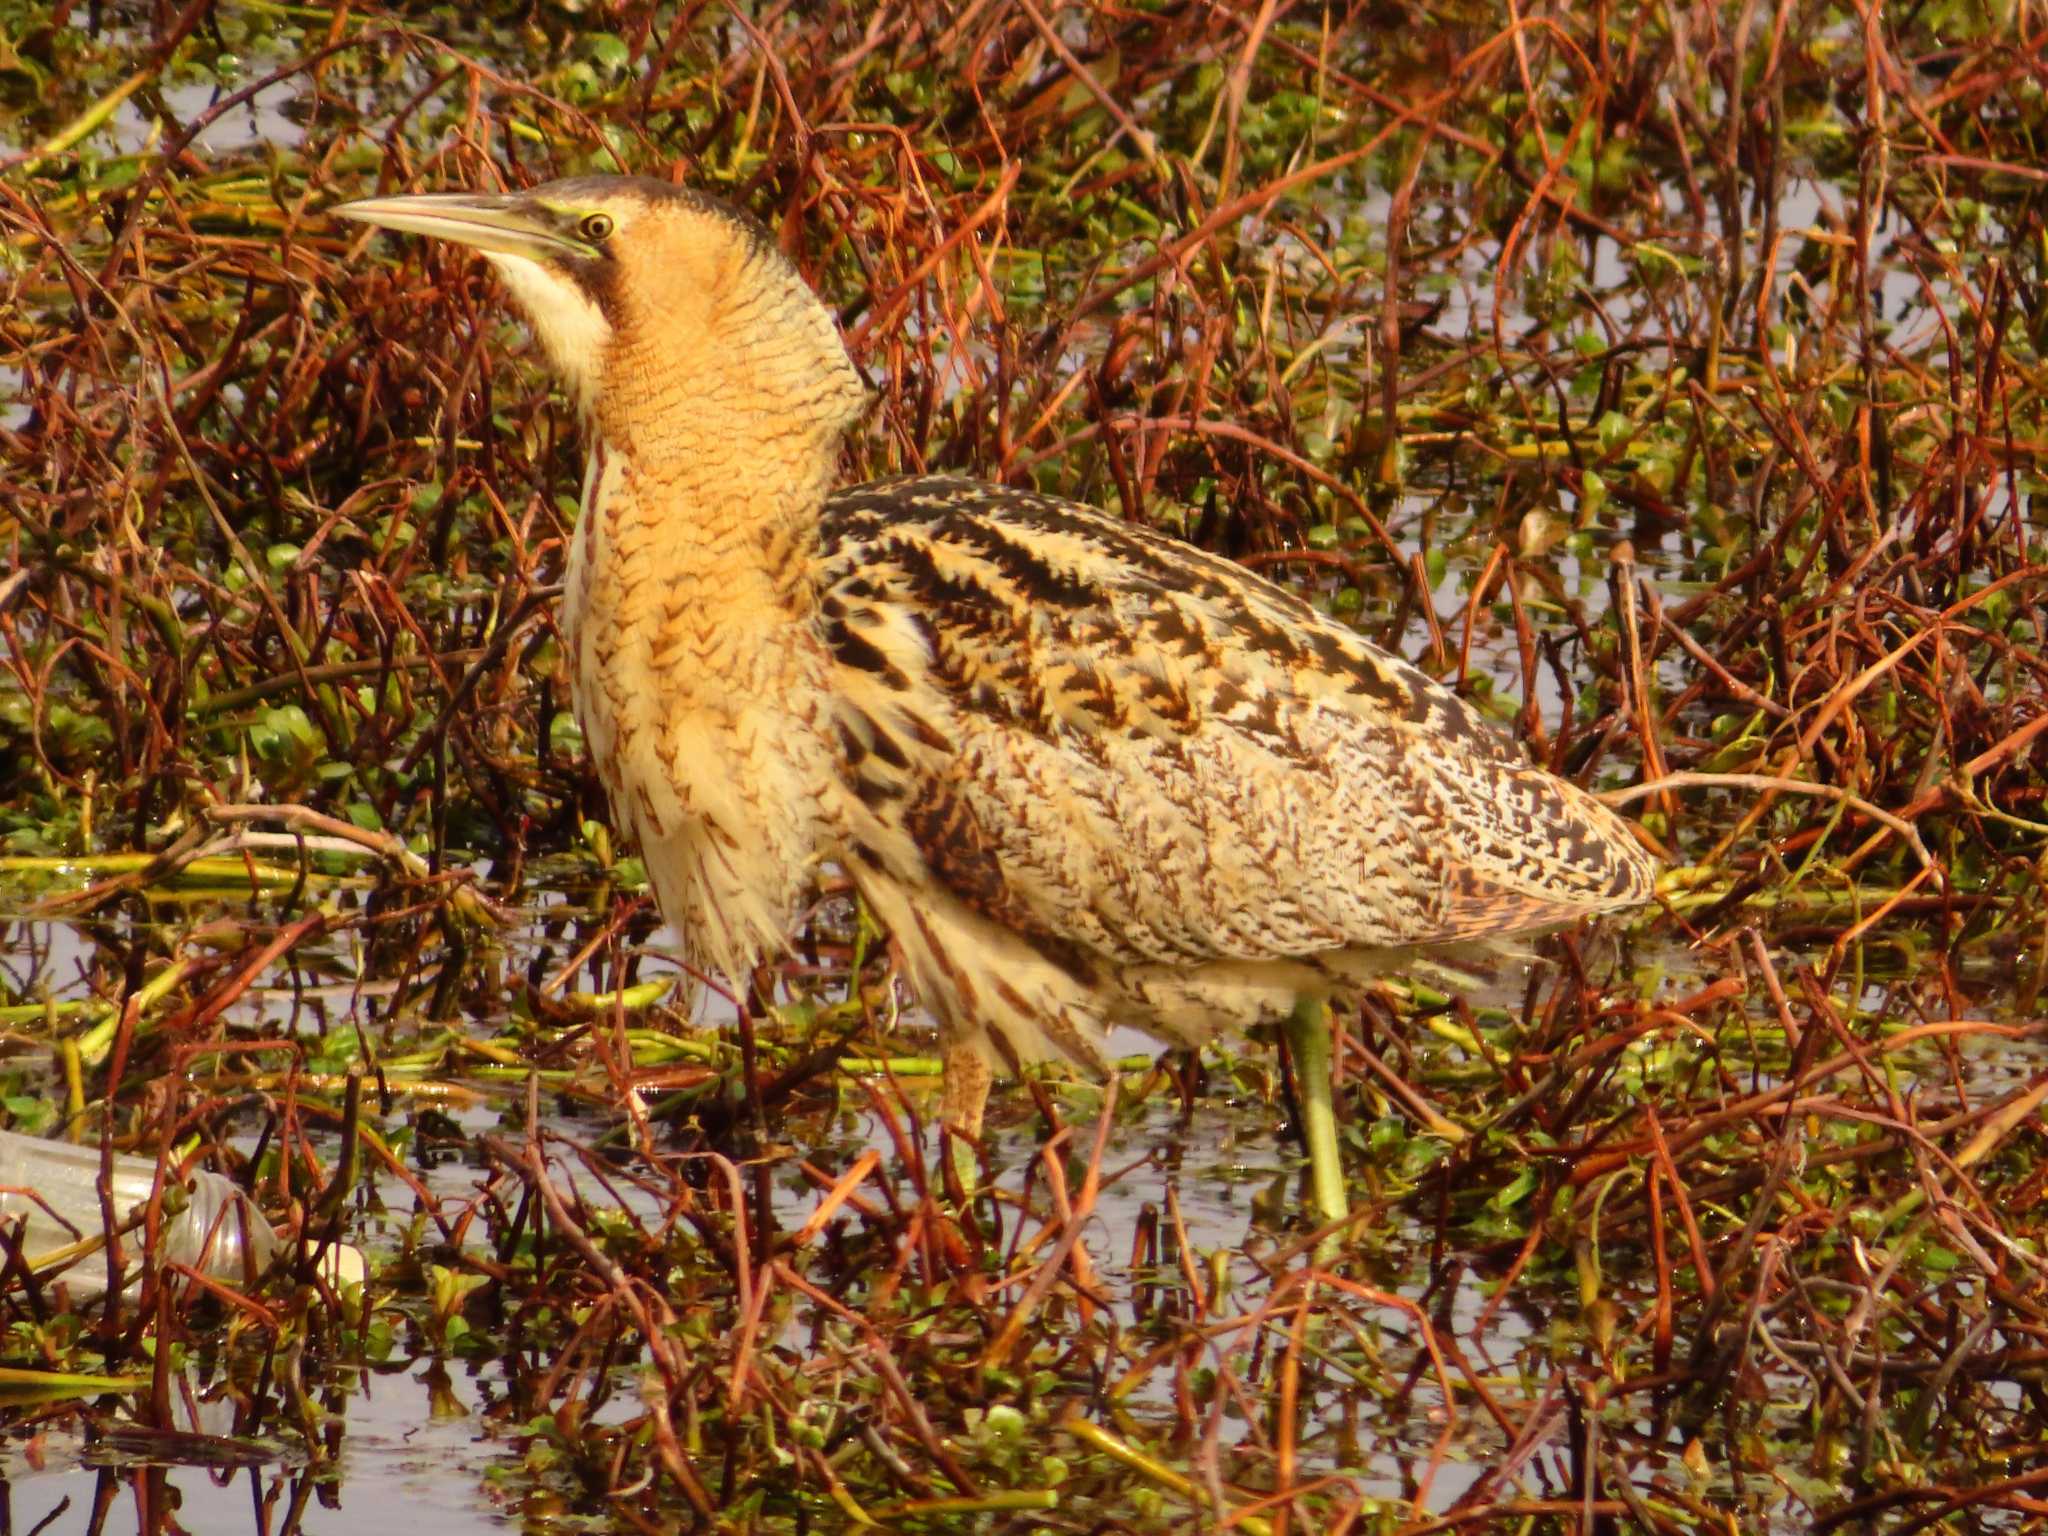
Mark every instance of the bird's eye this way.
pixel 596 228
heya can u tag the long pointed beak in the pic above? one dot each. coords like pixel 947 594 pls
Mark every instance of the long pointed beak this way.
pixel 494 222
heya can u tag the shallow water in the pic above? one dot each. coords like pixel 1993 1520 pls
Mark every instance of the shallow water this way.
pixel 449 1430
pixel 432 1436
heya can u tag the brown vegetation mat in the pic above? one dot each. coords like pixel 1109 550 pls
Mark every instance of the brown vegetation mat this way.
pixel 1668 376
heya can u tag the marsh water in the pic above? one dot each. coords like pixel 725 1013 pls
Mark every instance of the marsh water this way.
pixel 1702 437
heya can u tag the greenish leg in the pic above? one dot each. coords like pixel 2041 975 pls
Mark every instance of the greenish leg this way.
pixel 1308 1043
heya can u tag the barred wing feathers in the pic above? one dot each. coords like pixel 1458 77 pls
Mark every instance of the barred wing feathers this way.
pixel 1126 750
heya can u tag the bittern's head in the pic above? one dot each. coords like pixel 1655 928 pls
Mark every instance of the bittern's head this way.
pixel 655 304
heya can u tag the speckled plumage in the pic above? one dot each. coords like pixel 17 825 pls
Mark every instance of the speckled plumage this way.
pixel 1087 774
pixel 1181 791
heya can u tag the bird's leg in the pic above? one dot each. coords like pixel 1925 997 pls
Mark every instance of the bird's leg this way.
pixel 756 993
pixel 1308 1043
pixel 963 1096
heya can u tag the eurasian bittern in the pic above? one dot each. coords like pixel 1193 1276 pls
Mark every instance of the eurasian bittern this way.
pixel 1083 772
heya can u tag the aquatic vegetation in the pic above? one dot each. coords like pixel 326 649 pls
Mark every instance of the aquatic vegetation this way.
pixel 1666 379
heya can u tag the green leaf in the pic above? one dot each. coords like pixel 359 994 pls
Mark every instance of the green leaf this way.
pixel 1523 1186
pixel 608 51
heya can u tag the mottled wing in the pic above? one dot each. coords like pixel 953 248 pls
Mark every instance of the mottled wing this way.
pixel 1107 741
